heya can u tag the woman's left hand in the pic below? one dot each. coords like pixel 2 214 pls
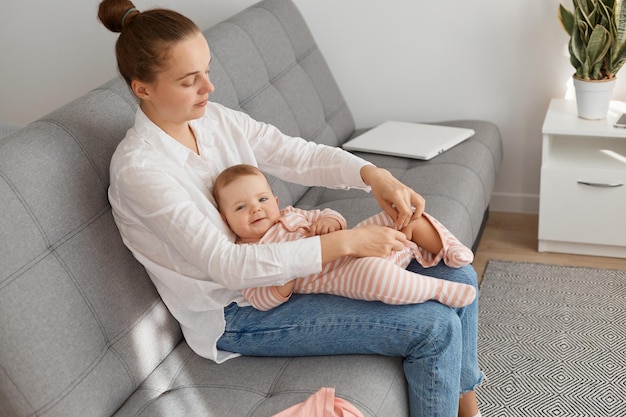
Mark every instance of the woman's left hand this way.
pixel 399 201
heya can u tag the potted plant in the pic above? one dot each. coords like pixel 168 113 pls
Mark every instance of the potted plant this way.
pixel 597 48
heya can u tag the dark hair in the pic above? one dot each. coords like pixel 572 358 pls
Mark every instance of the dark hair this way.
pixel 145 37
pixel 231 174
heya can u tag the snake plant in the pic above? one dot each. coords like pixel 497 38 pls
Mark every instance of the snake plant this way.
pixel 597 44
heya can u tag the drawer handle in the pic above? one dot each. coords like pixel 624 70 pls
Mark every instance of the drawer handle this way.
pixel 601 184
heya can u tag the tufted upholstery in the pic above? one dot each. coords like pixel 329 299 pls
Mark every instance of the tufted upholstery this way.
pixel 282 78
pixel 83 331
pixel 266 63
pixel 76 307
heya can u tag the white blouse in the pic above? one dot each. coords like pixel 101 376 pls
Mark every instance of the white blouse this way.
pixel 160 192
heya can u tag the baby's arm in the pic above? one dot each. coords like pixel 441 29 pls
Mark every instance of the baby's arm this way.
pixel 321 222
pixel 324 225
pixel 326 221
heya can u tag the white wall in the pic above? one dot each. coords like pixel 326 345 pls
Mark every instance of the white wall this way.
pixel 54 51
pixel 399 59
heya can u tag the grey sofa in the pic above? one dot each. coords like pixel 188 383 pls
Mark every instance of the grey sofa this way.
pixel 83 331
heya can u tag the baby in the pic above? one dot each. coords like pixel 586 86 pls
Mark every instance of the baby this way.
pixel 249 207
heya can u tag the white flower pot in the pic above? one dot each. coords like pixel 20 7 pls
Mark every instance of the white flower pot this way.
pixel 593 97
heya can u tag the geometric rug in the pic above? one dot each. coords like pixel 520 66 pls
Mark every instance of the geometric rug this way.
pixel 552 341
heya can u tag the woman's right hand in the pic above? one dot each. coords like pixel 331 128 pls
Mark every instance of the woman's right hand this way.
pixel 369 240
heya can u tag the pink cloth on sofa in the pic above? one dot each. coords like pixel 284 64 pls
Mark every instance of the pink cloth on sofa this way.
pixel 322 404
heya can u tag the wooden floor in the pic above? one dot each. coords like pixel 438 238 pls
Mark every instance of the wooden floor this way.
pixel 513 237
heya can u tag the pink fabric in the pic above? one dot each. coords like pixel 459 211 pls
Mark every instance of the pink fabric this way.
pixel 372 278
pixel 322 404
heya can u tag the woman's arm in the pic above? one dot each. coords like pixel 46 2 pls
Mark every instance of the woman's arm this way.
pixel 370 240
pixel 178 228
pixel 295 159
pixel 308 163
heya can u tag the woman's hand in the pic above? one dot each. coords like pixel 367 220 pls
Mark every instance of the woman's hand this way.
pixel 399 201
pixel 369 240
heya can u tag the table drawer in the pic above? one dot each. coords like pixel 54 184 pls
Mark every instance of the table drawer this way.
pixel 585 206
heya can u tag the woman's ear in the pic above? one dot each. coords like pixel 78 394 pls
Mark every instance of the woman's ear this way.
pixel 140 89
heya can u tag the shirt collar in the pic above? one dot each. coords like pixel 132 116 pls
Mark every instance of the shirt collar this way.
pixel 156 137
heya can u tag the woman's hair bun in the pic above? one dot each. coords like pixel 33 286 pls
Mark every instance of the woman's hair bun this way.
pixel 114 14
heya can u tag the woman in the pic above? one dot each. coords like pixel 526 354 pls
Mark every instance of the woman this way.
pixel 161 180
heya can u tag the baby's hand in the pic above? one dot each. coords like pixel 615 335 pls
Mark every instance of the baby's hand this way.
pixel 323 226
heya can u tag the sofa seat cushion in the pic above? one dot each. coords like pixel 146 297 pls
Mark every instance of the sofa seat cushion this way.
pixel 456 184
pixel 188 385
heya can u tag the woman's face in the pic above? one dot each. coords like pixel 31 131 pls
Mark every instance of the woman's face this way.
pixel 181 90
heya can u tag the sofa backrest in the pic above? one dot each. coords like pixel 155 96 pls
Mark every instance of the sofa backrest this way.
pixel 265 62
pixel 81 325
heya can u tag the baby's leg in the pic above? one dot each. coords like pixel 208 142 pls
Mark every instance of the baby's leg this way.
pixel 424 234
pixel 263 298
pixel 434 241
pixel 377 279
pixel 420 231
pixel 444 245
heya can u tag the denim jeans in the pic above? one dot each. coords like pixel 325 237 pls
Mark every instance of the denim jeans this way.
pixel 438 343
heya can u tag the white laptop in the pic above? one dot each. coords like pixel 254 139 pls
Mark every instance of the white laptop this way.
pixel 410 140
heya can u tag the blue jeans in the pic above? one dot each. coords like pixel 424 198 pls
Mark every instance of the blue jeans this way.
pixel 438 343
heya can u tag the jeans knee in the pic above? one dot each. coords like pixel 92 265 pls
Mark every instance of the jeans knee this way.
pixel 444 335
pixel 467 275
pixel 449 332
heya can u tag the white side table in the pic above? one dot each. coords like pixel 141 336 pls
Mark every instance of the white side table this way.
pixel 582 200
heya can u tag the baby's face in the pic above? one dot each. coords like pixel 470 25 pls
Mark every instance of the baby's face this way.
pixel 249 207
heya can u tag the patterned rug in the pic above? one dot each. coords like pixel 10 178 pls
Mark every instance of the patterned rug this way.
pixel 552 341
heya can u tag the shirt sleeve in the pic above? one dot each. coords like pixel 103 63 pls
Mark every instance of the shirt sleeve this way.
pixel 300 161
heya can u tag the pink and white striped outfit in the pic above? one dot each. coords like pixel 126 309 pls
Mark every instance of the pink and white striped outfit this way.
pixel 371 278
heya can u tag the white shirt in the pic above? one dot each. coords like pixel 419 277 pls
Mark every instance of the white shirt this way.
pixel 160 192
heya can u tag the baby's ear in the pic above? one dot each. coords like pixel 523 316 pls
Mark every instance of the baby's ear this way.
pixel 276 197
